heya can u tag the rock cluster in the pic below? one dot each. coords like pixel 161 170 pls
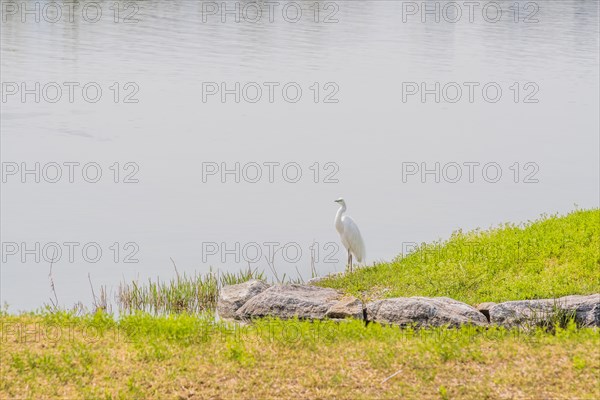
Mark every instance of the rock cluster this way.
pixel 257 299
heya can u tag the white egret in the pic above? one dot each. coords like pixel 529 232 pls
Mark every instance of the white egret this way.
pixel 349 234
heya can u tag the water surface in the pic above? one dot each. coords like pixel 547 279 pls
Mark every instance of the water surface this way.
pixel 366 136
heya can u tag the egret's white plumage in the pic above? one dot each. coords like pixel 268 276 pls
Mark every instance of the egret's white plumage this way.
pixel 349 234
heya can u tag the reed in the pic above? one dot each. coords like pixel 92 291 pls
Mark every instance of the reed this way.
pixel 190 294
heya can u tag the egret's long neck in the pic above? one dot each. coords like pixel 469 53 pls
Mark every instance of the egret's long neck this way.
pixel 338 219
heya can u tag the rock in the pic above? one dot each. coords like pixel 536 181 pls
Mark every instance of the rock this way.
pixel 302 301
pixel 347 307
pixel 484 308
pixel 232 297
pixel 529 313
pixel 424 311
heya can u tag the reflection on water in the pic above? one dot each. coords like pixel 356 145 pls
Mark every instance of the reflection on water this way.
pixel 364 61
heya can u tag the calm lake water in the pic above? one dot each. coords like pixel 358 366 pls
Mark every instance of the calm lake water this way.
pixel 177 132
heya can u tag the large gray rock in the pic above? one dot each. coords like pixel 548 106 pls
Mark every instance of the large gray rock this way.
pixel 302 301
pixel 232 297
pixel 424 311
pixel 529 313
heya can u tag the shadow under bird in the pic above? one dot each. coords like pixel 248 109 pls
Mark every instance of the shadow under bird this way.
pixel 349 234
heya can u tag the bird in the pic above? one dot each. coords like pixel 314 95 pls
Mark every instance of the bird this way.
pixel 349 234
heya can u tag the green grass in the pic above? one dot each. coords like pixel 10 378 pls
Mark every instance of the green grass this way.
pixel 61 355
pixel 551 257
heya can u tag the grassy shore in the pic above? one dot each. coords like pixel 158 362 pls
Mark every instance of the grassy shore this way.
pixel 192 357
pixel 552 257
pixel 188 355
